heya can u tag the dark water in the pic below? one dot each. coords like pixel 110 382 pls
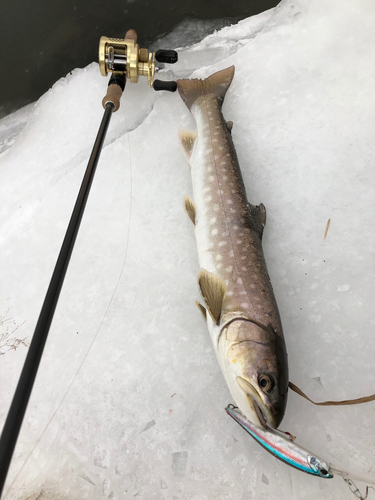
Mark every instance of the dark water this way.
pixel 42 40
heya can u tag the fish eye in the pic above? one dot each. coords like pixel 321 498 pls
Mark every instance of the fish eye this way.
pixel 266 382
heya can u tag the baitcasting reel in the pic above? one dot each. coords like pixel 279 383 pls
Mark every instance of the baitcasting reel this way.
pixel 123 57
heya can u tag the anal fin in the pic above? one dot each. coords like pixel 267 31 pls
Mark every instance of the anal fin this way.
pixel 213 291
pixel 258 217
pixel 189 208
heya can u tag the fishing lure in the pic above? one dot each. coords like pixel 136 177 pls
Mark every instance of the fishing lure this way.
pixel 282 446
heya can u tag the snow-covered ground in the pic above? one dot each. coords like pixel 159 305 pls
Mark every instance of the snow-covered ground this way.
pixel 129 399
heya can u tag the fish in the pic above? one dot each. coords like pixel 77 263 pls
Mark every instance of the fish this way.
pixel 238 300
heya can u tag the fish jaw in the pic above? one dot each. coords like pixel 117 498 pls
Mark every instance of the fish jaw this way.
pixel 250 355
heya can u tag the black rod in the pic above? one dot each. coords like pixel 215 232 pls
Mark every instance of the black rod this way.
pixel 21 397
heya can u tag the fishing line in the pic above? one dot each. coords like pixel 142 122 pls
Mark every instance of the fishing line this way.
pixel 357 401
pixel 101 322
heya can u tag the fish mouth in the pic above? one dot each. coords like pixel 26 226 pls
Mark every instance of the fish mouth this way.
pixel 254 401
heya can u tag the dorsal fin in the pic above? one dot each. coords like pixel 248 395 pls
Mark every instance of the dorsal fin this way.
pixel 189 208
pixel 213 291
pixel 187 141
pixel 216 84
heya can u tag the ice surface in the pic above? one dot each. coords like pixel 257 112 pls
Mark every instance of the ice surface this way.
pixel 129 399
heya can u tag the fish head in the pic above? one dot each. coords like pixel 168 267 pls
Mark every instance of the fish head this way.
pixel 255 366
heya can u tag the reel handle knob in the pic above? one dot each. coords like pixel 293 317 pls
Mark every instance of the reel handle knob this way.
pixel 166 56
pixel 163 85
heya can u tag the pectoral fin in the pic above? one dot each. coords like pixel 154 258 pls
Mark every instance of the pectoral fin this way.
pixel 189 208
pixel 202 310
pixel 213 291
pixel 187 140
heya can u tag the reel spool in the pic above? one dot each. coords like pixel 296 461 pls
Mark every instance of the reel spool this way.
pixel 123 57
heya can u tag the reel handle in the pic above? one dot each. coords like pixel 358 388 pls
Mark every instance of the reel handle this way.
pixel 166 56
pixel 164 85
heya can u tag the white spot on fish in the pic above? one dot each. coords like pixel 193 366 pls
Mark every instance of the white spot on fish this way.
pixel 243 292
pixel 244 304
pixel 216 207
pixel 229 293
pixel 231 253
pixel 235 227
pixel 252 286
pixel 206 189
pixel 222 243
pixel 208 198
pixel 239 242
pixel 232 210
pixel 229 202
pixel 243 257
pixel 225 233
pixel 234 191
pixel 225 177
pixel 211 178
pixel 229 269
pixel 214 232
pixel 239 281
pixel 213 220
pixel 244 268
pixel 209 169
pixel 218 266
pixel 219 257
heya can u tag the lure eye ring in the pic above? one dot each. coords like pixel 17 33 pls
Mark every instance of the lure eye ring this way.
pixel 319 467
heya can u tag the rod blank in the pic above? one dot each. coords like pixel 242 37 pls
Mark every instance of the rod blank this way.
pixel 21 397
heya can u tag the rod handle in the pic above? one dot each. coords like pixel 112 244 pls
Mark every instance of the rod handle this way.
pixel 115 89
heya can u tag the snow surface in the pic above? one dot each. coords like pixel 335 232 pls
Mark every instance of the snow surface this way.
pixel 129 399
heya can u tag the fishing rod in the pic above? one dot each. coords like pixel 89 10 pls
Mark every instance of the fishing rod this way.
pixel 124 59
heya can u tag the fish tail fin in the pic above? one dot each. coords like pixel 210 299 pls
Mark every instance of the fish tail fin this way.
pixel 216 84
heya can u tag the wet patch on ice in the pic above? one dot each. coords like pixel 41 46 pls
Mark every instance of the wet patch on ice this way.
pixel 179 463
pixel 148 426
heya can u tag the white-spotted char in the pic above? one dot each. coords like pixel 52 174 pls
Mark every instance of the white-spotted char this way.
pixel 239 303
